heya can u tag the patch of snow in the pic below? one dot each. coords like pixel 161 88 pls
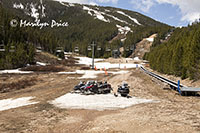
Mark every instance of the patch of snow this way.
pixel 43 11
pixel 70 4
pixel 107 10
pixel 62 3
pixel 115 18
pixel 17 71
pixel 150 39
pixel 97 8
pixel 97 14
pixel 133 19
pixel 91 74
pixel 88 61
pixel 67 73
pixel 66 57
pixel 43 8
pixel 96 102
pixel 136 59
pixel 18 6
pixel 7 104
pixel 122 40
pixel 41 64
pixel 68 53
pixel 34 12
pixel 123 30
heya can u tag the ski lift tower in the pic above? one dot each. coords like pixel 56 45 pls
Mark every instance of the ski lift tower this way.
pixel 93 45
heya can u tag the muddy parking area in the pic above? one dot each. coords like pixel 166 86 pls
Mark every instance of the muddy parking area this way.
pixel 169 112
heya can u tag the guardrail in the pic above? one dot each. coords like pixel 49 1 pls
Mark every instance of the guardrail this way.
pixel 183 90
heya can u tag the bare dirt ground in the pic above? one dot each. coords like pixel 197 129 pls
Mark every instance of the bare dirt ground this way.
pixel 143 47
pixel 170 113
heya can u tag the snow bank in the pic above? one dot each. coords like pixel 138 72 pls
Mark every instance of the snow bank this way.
pixel 96 102
pixel 17 71
pixel 87 61
pixel 107 65
pixel 14 103
pixel 91 74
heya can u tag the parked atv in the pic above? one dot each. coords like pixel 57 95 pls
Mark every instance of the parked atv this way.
pixel 104 88
pixel 123 89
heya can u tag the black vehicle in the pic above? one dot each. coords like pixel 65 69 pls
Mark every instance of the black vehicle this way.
pixel 78 87
pixel 104 88
pixel 92 87
pixel 123 89
pixel 89 88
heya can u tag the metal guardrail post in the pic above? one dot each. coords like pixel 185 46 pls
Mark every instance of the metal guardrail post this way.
pixel 179 90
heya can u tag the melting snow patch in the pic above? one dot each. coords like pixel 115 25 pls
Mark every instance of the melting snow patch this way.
pixel 136 59
pixel 122 40
pixel 124 30
pixel 18 6
pixel 66 4
pixel 14 103
pixel 107 65
pixel 133 19
pixel 107 10
pixel 34 11
pixel 96 102
pixel 70 4
pixel 15 71
pixel 41 64
pixel 91 74
pixel 150 39
pixel 115 18
pixel 87 61
pixel 97 14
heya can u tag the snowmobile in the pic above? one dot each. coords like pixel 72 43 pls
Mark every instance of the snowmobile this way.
pixel 79 87
pixel 90 88
pixel 104 88
pixel 123 90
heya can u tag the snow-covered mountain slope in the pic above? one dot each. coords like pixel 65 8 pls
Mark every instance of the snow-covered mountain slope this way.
pixel 86 23
pixel 37 10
